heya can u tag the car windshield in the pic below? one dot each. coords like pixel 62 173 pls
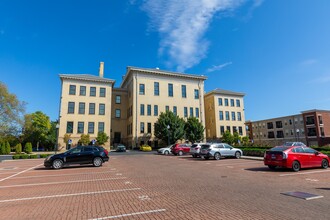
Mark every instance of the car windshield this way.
pixel 286 144
pixel 205 146
pixel 194 145
pixel 280 148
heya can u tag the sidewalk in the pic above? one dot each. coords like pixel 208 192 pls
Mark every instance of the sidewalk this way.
pixel 252 158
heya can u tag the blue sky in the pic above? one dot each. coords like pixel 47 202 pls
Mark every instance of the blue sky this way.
pixel 276 52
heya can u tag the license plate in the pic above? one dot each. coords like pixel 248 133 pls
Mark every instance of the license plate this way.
pixel 273 156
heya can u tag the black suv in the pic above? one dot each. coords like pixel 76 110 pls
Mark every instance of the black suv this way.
pixel 79 155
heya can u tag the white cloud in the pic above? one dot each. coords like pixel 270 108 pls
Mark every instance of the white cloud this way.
pixel 182 25
pixel 218 67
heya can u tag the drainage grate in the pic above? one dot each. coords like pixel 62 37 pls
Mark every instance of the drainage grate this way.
pixel 302 195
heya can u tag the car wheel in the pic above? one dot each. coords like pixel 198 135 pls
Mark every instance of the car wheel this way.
pixel 97 161
pixel 271 167
pixel 217 156
pixel 166 152
pixel 325 164
pixel 238 155
pixel 295 166
pixel 57 164
pixel 180 153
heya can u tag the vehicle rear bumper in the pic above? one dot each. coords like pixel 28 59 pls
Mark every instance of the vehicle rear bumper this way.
pixel 280 163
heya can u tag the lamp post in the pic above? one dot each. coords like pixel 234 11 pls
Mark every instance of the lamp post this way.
pixel 57 128
pixel 168 135
pixel 297 131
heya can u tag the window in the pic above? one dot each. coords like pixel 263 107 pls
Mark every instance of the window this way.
pixel 184 91
pixel 278 124
pixel 102 92
pixel 170 90
pixel 90 127
pixel 226 102
pixel 141 91
pixel 175 110
pixel 221 115
pixel 155 110
pixel 196 93
pixel 320 120
pixel 118 99
pixel 239 116
pixel 311 132
pixel 227 116
pixel 69 127
pixel 149 110
pixel 81 108
pixel 118 113
pixel 279 134
pixel 240 130
pixel 101 109
pixel 191 112
pixel 71 108
pixel 321 130
pixel 92 91
pixel 80 127
pixel 234 129
pixel 238 103
pixel 232 102
pixel 197 112
pixel 222 130
pixel 167 108
pixel 310 120
pixel 270 125
pixel 185 111
pixel 149 128
pixel 141 127
pixel 271 134
pixel 220 101
pixel 228 128
pixel 82 90
pixel 72 90
pixel 156 88
pixel 91 108
pixel 101 127
pixel 142 109
pixel 233 116
pixel 290 121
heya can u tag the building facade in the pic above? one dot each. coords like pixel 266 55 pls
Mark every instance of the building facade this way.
pixel 311 127
pixel 224 110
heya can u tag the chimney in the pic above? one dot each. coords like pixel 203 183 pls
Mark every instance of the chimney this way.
pixel 101 72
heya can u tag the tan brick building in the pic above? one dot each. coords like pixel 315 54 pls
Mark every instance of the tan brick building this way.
pixel 224 110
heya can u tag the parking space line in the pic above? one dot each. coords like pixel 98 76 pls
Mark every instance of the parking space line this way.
pixel 312 172
pixel 20 173
pixel 66 174
pixel 233 164
pixel 52 183
pixel 67 195
pixel 130 214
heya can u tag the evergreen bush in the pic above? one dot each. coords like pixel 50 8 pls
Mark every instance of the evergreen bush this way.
pixel 28 148
pixel 7 148
pixel 18 149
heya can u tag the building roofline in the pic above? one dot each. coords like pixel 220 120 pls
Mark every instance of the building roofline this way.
pixel 86 77
pixel 315 110
pixel 271 119
pixel 225 92
pixel 130 69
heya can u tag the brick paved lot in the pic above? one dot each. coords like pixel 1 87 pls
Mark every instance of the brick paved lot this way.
pixel 148 186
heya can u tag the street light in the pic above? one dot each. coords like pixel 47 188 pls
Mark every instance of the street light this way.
pixel 57 128
pixel 168 135
pixel 297 131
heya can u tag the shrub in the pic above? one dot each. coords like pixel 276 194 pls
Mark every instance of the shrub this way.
pixel 16 156
pixel 253 152
pixel 7 148
pixel 28 148
pixel 43 155
pixel 18 149
pixel 2 148
pixel 33 156
pixel 24 156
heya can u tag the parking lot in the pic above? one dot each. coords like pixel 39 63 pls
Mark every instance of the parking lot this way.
pixel 150 186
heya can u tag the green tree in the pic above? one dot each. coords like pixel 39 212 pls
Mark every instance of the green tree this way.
pixel 66 138
pixel 28 148
pixel 18 148
pixel 84 139
pixel 227 137
pixel 236 138
pixel 169 127
pixel 194 130
pixel 2 148
pixel 102 138
pixel 245 140
pixel 36 128
pixel 11 112
pixel 7 148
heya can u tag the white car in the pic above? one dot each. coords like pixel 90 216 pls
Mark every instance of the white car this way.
pixel 195 149
pixel 165 150
pixel 219 150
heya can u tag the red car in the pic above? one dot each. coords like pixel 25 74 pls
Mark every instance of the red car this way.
pixel 180 149
pixel 295 157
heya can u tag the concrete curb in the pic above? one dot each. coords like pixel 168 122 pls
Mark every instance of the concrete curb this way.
pixel 252 158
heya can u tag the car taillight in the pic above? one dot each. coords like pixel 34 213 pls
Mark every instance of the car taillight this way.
pixel 196 148
pixel 106 152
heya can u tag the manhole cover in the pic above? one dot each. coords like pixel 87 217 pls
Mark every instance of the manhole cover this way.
pixel 302 195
